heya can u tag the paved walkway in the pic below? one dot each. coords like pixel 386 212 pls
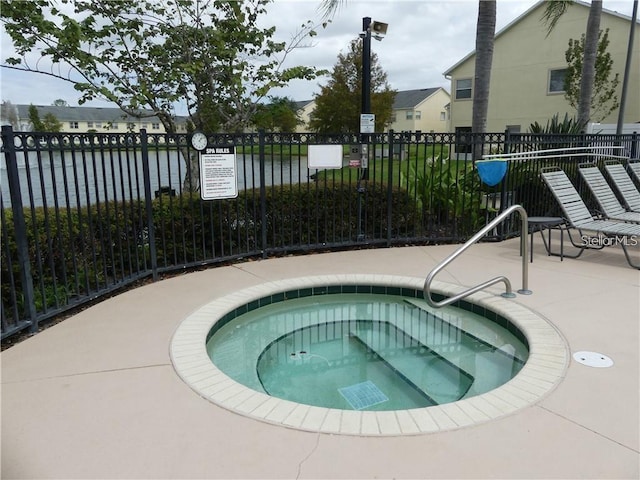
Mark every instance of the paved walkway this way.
pixel 96 396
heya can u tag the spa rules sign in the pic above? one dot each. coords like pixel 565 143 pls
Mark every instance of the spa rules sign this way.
pixel 218 174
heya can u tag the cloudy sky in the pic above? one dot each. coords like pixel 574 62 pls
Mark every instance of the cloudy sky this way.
pixel 424 39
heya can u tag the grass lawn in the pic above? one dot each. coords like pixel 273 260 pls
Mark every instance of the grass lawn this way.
pixel 404 171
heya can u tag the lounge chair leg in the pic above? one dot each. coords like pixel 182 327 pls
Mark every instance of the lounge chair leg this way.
pixel 562 254
pixel 626 254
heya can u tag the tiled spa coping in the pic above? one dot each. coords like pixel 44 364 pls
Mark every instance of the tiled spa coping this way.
pixel 545 367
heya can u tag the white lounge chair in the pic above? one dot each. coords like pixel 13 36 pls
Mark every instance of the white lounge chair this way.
pixel 607 201
pixel 623 183
pixel 634 166
pixel 577 216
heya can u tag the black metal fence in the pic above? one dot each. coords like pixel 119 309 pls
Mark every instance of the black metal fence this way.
pixel 85 214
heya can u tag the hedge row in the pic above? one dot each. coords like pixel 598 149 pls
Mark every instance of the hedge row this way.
pixel 80 252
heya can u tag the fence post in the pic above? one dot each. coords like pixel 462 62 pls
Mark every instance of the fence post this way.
pixel 263 194
pixel 20 227
pixel 390 187
pixel 507 141
pixel 144 143
pixel 504 203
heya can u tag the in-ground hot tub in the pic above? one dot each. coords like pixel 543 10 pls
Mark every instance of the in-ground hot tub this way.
pixel 362 354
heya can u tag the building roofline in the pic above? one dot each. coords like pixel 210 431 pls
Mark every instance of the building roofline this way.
pixel 524 15
pixel 419 99
pixel 81 113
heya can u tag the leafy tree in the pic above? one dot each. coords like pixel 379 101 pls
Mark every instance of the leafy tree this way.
pixel 50 123
pixel 339 102
pixel 34 117
pixel 60 103
pixel 280 115
pixel 603 100
pixel 212 56
pixel 554 9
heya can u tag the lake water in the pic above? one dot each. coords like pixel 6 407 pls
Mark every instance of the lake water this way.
pixel 80 178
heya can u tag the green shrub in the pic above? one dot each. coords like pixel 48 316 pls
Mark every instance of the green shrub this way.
pixel 446 192
pixel 77 252
pixel 569 125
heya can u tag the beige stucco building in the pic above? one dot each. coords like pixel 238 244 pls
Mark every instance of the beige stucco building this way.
pixel 527 71
pixel 422 110
pixel 95 119
pixel 304 109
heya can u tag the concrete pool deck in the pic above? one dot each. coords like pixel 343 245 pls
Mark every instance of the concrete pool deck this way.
pixel 96 396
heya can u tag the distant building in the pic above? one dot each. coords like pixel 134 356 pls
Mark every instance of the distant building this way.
pixel 96 119
pixel 425 109
pixel 304 109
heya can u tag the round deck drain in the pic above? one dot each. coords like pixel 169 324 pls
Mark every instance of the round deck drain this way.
pixel 593 359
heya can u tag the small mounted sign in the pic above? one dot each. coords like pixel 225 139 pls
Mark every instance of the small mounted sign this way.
pixel 354 156
pixel 367 123
pixel 324 156
pixel 218 174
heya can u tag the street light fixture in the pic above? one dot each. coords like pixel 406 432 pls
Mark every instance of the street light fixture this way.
pixel 379 30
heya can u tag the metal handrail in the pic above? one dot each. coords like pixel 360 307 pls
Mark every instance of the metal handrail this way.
pixel 523 248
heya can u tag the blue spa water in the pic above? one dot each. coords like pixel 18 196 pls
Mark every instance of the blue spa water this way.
pixel 366 352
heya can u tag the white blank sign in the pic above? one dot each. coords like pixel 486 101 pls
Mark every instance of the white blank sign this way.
pixel 324 156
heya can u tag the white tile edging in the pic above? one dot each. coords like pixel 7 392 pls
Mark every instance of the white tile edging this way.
pixel 545 368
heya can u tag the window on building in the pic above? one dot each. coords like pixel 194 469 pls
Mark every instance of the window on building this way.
pixel 393 117
pixel 144 125
pixel 114 125
pixel 155 126
pixel 418 114
pixel 463 139
pixel 409 115
pixel 89 124
pixel 513 128
pixel 98 124
pixel 443 116
pixel 556 80
pixel 463 88
pixel 73 125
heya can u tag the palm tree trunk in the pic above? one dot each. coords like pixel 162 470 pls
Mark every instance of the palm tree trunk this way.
pixel 589 63
pixel 485 33
pixel 627 69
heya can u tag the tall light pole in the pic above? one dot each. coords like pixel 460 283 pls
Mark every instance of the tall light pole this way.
pixel 366 65
pixel 365 108
pixel 367 120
